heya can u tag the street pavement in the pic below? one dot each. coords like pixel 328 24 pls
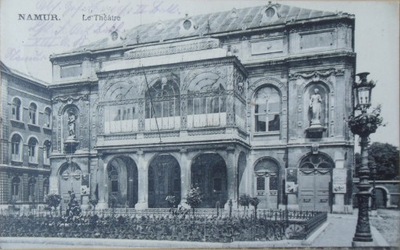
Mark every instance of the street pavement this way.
pixel 338 231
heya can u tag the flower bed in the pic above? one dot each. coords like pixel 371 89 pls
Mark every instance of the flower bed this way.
pixel 165 227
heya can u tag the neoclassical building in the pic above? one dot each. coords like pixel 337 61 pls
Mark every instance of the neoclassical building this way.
pixel 248 101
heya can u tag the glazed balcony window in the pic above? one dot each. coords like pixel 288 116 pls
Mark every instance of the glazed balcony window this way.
pixel 162 105
pixel 121 118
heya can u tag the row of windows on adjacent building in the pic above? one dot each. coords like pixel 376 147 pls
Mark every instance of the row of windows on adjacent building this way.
pixel 208 110
pixel 34 192
pixel 16 113
pixel 17 148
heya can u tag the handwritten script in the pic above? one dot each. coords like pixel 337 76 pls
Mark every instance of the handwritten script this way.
pixel 72 31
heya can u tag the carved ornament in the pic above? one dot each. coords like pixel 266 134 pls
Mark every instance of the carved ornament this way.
pixel 70 99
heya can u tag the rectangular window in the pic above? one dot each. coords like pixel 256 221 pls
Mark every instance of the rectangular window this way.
pixel 31 151
pixel 15 148
pixel 273 183
pixel 71 71
pixel 15 189
pixel 260 183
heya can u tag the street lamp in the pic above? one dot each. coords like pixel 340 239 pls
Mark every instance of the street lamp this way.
pixel 373 175
pixel 363 125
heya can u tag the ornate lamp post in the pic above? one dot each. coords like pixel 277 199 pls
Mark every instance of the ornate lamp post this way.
pixel 373 175
pixel 363 125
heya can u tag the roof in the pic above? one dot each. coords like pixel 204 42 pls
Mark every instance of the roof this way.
pixel 4 68
pixel 211 23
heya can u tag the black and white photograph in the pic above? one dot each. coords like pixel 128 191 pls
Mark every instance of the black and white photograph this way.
pixel 199 124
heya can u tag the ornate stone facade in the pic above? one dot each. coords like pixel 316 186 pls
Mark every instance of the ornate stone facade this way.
pixel 222 107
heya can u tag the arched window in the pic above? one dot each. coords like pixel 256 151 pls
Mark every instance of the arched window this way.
pixel 47 118
pixel 163 103
pixel 33 150
pixel 32 113
pixel 162 99
pixel 267 110
pixel 267 176
pixel 46 152
pixel 15 182
pixel 16 147
pixel 31 189
pixel 317 162
pixel 16 109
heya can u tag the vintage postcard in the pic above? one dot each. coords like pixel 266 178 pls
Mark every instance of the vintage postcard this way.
pixel 199 124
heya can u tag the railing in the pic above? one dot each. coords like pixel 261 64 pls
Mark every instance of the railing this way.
pixel 166 224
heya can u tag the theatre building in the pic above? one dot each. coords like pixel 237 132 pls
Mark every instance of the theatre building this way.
pixel 247 101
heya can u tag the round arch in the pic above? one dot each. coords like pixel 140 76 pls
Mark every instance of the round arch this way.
pixel 315 182
pixel 209 173
pixel 382 196
pixel 122 179
pixel 69 174
pixel 268 184
pixel 164 177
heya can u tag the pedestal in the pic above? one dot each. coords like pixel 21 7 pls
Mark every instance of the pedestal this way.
pixel 315 131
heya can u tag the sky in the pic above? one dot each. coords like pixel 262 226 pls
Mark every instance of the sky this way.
pixel 27 45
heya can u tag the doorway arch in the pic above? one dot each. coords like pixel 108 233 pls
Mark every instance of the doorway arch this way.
pixel 209 174
pixel 70 175
pixel 122 179
pixel 164 180
pixel 267 182
pixel 315 177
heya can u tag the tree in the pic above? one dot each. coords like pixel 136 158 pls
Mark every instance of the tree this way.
pixel 53 201
pixel 254 201
pixel 386 158
pixel 194 198
pixel 244 201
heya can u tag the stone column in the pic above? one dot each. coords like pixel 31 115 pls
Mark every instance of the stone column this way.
pixel 231 177
pixel 143 182
pixel 185 177
pixel 101 178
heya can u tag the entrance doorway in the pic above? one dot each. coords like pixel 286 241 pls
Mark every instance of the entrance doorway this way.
pixel 380 198
pixel 209 174
pixel 315 177
pixel 70 182
pixel 164 180
pixel 267 183
pixel 122 182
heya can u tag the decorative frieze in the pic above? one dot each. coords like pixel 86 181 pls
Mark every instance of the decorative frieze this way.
pixel 178 47
pixel 70 99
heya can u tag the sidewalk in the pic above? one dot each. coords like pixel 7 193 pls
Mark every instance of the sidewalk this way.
pixel 338 231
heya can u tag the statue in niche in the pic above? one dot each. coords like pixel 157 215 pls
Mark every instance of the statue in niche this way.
pixel 315 107
pixel 71 124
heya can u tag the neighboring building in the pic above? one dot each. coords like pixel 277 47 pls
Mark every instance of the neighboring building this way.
pixel 25 147
pixel 248 101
